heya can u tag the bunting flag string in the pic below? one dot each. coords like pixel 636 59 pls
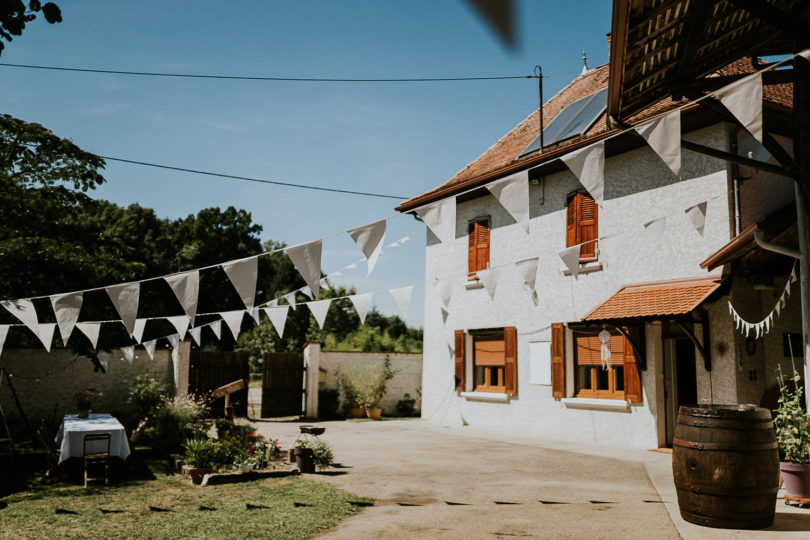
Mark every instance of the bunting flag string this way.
pixel 402 296
pixel 150 348
pixel 307 259
pixel 243 275
pixel 278 317
pixel 440 218
pixel 91 331
pixel 125 300
pixel 361 303
pixel 765 325
pixel 488 280
pixel 140 326
pixel 46 331
pixel 369 238
pixel 66 308
pixel 663 135
pixel 196 335
pixel 588 165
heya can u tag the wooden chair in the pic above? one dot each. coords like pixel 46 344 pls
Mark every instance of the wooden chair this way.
pixel 96 457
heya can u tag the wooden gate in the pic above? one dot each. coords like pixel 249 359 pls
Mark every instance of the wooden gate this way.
pixel 282 384
pixel 211 369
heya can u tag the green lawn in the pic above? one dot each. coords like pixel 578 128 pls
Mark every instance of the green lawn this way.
pixel 161 505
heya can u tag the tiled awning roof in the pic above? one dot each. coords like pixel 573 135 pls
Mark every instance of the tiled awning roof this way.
pixel 649 300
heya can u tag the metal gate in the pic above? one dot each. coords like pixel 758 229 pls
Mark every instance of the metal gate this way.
pixel 282 384
pixel 211 369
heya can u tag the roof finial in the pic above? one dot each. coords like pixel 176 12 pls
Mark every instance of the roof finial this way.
pixel 584 62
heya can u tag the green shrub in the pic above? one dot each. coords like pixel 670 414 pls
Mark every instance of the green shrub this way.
pixel 365 386
pixel 792 430
pixel 145 395
pixel 200 452
pixel 406 406
pixel 177 419
pixel 321 450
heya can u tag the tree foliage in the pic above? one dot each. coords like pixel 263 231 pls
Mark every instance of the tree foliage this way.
pixel 15 14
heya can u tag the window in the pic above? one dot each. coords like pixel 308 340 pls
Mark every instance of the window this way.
pixel 581 224
pixel 491 360
pixel 478 246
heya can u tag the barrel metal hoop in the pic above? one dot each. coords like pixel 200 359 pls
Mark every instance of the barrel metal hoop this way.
pixel 726 492
pixel 726 423
pixel 724 447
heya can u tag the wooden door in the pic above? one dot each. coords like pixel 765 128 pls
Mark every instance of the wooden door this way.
pixel 283 384
pixel 211 369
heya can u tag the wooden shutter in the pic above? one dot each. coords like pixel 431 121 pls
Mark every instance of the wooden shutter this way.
pixel 510 359
pixel 459 354
pixel 632 378
pixel 571 220
pixel 558 360
pixel 478 246
pixel 588 229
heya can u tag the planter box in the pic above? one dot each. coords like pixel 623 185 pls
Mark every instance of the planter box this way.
pixel 214 479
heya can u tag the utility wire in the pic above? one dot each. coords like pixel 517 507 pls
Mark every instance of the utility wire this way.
pixel 257 78
pixel 249 179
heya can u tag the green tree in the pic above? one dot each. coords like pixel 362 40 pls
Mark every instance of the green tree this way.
pixel 15 14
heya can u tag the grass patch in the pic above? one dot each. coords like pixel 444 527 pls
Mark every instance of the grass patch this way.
pixel 168 506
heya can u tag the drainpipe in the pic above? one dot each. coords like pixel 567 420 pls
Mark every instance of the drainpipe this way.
pixel 735 179
pixel 759 238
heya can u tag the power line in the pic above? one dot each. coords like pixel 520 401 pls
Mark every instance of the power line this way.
pixel 277 79
pixel 249 179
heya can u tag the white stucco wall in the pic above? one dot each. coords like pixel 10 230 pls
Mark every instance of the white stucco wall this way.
pixel 638 188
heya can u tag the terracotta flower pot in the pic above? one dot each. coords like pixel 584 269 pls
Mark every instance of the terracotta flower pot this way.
pixel 374 413
pixel 197 473
pixel 355 412
pixel 797 479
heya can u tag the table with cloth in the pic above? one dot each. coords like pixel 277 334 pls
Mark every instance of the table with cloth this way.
pixel 70 436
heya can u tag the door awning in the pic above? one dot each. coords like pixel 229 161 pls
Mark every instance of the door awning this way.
pixel 654 300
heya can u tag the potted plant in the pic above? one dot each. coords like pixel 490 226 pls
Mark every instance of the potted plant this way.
pixel 312 452
pixel 366 387
pixel 85 399
pixel 200 456
pixel 354 408
pixel 793 437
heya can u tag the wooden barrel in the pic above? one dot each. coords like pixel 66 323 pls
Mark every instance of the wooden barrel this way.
pixel 725 464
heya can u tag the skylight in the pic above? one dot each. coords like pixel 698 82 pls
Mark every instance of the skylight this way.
pixel 573 121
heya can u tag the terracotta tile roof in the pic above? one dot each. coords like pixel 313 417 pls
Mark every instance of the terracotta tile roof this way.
pixel 655 299
pixel 502 157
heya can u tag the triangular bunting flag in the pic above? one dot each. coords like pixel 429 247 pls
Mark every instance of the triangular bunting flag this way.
pixel 125 299
pixel 137 332
pixel 445 290
pixel 3 334
pixel 404 239
pixel 654 230
pixel 46 331
pixel 663 134
pixel 744 100
pixel 487 279
pixel 91 331
pixel 778 306
pixel 805 54
pixel 129 353
pixel 402 296
pixel 176 363
pixel 243 274
pixel 528 271
pixel 440 218
pixel 255 314
pixel 793 274
pixel 186 287
pixel 24 311
pixel 319 310
pixel 196 335
pixel 361 303
pixel 234 321
pixel 513 194
pixel 104 360
pixel 570 257
pixel 66 307
pixel 697 216
pixel 290 298
pixel 150 348
pixel 278 316
pixel 588 165
pixel 174 340
pixel 216 327
pixel 307 259
pixel 324 284
pixel 369 238
pixel 180 323
pixel 306 291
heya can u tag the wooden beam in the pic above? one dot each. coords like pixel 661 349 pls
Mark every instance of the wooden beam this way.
pixel 694 30
pixel 713 152
pixel 707 359
pixel 710 84
pixel 773 16
pixel 638 351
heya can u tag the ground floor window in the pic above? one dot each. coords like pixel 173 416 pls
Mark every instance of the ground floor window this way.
pixel 591 378
pixel 489 356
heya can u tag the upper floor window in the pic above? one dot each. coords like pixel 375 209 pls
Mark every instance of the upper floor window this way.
pixel 581 224
pixel 478 246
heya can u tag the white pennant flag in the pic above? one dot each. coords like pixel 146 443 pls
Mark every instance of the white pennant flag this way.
pixel 768 322
pixel 787 287
pixel 150 348
pixel 440 217
pixel 24 311
pixel 104 360
pixel 243 274
pixel 588 165
pixel 793 274
pixel 306 291
pixel 174 340
pixel 180 323
pixel 278 316
pixel 91 330
pixel 351 266
pixel 319 310
pixel 570 256
pixel 513 194
pixel 654 230
pixel 196 335
pixel 744 100
pixel 528 271
pixel 46 331
pixel 66 307
pixel 404 239
pixel 487 279
pixel 402 296
pixel 290 298
pixel 663 134
pixel 125 299
pixel 324 284
pixel 129 353
pixel 186 287
pixel 216 327
pixel 307 259
pixel 3 334
pixel 445 290
pixel 234 321
pixel 369 238
pixel 255 314
pixel 778 306
pixel 137 332
pixel 697 216
pixel 273 303
pixel 361 303
pixel 805 54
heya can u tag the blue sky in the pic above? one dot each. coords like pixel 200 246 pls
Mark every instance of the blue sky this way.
pixel 398 139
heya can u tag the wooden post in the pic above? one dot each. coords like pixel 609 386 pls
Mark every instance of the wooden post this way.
pixel 801 154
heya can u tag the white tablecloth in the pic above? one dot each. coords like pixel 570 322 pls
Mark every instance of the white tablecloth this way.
pixel 70 436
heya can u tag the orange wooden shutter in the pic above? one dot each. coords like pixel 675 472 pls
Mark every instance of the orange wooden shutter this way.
pixel 632 379
pixel 459 353
pixel 477 246
pixel 588 229
pixel 510 359
pixel 558 360
pixel 571 220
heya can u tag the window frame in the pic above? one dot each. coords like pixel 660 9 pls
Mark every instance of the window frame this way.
pixel 465 367
pixel 575 198
pixel 612 391
pixel 500 370
pixel 472 244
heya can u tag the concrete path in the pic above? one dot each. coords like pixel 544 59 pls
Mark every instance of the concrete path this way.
pixel 456 482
